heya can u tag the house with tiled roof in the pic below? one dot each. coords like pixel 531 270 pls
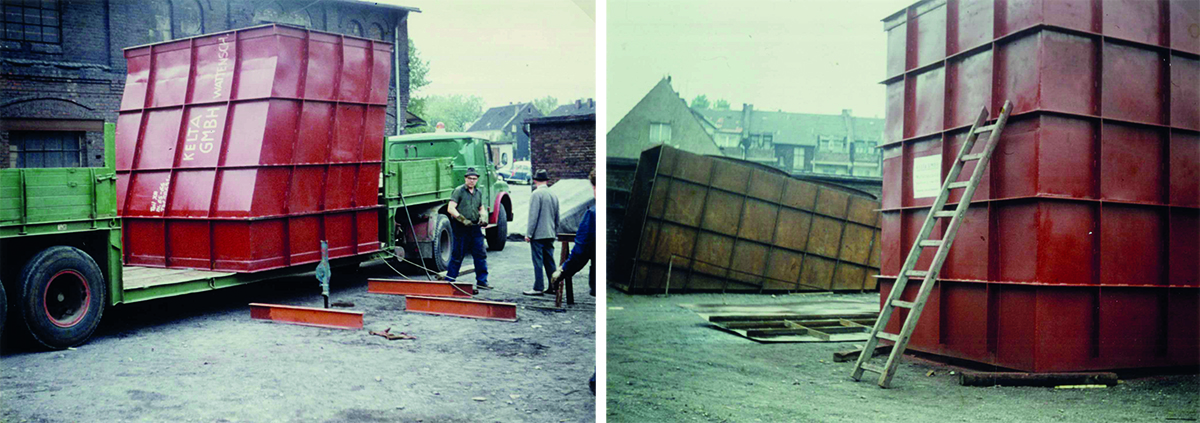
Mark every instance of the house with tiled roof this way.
pixel 580 107
pixel 507 123
pixel 798 142
pixel 661 117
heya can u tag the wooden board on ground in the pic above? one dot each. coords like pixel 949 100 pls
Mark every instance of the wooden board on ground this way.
pixel 812 321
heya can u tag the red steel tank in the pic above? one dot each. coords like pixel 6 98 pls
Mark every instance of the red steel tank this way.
pixel 242 150
pixel 1081 249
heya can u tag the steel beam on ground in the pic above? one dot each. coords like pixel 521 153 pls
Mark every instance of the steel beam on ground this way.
pixel 462 308
pixel 307 316
pixel 420 288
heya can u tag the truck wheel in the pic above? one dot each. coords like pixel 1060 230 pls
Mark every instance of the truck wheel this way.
pixel 62 296
pixel 443 242
pixel 3 308
pixel 498 235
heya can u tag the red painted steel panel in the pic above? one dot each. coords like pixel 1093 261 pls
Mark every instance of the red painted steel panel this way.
pixel 896 50
pixel 931 36
pixel 892 252
pixel 1065 240
pixel 1134 88
pixel 1185 25
pixel 307 316
pixel 1136 20
pixel 894 122
pixel 1185 90
pixel 462 308
pixel 1131 162
pixel 970 24
pixel 1185 165
pixel 1131 245
pixel 1067 79
pixel 968 88
pixel 969 257
pixel 254 145
pixel 420 288
pixel 1184 248
pixel 950 153
pixel 1066 152
pixel 893 171
pixel 927 111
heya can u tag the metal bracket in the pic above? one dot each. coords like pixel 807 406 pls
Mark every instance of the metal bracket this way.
pixel 323 272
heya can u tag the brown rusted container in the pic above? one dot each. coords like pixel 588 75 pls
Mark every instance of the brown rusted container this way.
pixel 714 224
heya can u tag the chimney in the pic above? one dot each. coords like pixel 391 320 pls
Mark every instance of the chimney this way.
pixel 849 122
pixel 747 111
pixel 578 103
pixel 591 103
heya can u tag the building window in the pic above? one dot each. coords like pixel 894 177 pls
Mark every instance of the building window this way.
pixel 864 148
pixel 660 132
pixel 32 20
pixel 798 159
pixel 47 148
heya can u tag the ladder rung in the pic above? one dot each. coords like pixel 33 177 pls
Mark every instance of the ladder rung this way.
pixel 905 304
pixel 888 336
pixel 917 274
pixel 930 243
pixel 969 157
pixel 983 129
pixel 872 368
pixel 962 184
pixel 944 213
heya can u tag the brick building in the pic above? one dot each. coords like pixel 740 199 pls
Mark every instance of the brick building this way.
pixel 564 143
pixel 62 67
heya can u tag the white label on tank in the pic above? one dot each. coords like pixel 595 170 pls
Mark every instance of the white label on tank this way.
pixel 927 176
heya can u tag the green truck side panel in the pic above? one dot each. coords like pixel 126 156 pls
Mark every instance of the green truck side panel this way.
pixel 61 200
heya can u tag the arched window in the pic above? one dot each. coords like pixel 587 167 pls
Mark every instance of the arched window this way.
pixel 354 28
pixel 376 32
pixel 274 13
pixel 188 18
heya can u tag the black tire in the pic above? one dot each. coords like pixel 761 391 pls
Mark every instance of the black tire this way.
pixel 497 236
pixel 443 241
pixel 3 308
pixel 62 297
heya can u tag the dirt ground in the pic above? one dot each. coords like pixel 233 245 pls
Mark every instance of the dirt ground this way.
pixel 666 364
pixel 200 358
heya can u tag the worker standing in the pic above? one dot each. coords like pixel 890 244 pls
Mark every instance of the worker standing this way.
pixel 542 230
pixel 467 220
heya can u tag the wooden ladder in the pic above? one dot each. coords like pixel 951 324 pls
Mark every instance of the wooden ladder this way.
pixel 929 277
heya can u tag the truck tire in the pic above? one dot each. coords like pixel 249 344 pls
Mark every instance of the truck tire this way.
pixel 62 296
pixel 497 235
pixel 3 308
pixel 443 242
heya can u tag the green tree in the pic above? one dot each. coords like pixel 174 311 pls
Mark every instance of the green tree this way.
pixel 418 77
pixel 721 105
pixel 546 104
pixel 700 102
pixel 454 110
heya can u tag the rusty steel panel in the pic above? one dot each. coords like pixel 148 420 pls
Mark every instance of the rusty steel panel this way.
pixel 241 150
pixel 1081 249
pixel 420 288
pixel 702 224
pixel 462 308
pixel 307 316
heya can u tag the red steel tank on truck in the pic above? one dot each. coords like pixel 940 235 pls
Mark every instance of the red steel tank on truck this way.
pixel 235 155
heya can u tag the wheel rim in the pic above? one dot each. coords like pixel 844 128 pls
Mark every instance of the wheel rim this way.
pixel 444 242
pixel 67 298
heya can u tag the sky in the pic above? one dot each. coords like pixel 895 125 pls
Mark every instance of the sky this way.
pixel 806 56
pixel 506 52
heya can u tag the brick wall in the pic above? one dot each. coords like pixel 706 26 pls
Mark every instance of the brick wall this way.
pixel 83 76
pixel 564 147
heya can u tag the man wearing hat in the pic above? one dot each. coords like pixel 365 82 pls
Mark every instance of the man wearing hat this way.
pixel 468 217
pixel 542 229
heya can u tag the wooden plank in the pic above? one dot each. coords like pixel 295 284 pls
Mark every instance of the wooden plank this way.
pixel 1037 379
pixel 789 317
pixel 810 331
pixel 847 355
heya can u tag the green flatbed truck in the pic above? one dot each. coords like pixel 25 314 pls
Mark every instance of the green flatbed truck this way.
pixel 60 236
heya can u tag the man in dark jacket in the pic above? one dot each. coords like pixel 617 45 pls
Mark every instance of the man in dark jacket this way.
pixel 542 229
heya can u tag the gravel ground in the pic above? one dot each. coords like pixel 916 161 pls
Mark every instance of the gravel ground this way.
pixel 201 358
pixel 665 364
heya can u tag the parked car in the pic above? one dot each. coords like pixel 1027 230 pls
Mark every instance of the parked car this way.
pixel 520 173
pixel 506 171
